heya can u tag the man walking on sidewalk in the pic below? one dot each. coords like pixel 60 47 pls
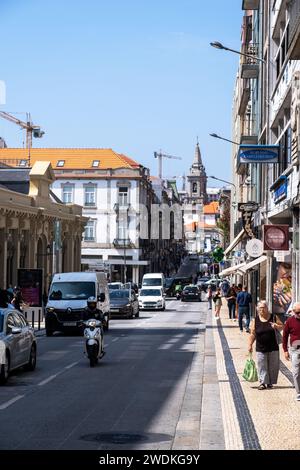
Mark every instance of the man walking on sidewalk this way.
pixel 292 330
pixel 244 300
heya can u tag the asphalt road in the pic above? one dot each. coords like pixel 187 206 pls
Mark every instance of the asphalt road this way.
pixel 133 399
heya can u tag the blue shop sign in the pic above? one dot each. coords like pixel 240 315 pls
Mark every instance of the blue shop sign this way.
pixel 259 153
pixel 280 191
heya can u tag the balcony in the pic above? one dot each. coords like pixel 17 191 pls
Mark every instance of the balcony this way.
pixel 250 65
pixel 294 30
pixel 248 130
pixel 250 5
pixel 244 96
pixel 122 206
pixel 122 243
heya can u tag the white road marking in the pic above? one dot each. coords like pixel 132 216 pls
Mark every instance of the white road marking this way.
pixel 10 402
pixel 72 365
pixel 43 382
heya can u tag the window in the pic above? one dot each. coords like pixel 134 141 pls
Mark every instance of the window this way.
pixel 89 232
pixel 90 195
pixel 96 163
pixel 23 162
pixel 60 163
pixel 123 196
pixel 67 194
pixel 195 189
pixel 122 227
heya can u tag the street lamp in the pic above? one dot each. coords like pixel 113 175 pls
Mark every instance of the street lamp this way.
pixel 216 136
pixel 219 45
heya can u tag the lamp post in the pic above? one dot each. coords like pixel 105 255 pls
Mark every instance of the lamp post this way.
pixel 216 136
pixel 219 45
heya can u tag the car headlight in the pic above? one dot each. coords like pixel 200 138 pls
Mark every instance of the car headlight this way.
pixel 50 309
pixel 128 305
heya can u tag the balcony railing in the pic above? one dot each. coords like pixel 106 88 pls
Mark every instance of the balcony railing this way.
pixel 250 62
pixel 122 243
pixel 248 130
pixel 121 206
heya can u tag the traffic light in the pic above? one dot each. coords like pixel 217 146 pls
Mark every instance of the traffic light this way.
pixel 218 254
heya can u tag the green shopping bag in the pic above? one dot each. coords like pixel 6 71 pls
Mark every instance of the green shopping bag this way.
pixel 250 371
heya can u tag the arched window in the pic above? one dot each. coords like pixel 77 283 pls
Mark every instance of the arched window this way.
pixel 195 187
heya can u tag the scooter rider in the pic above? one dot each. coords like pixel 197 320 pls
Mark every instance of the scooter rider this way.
pixel 91 311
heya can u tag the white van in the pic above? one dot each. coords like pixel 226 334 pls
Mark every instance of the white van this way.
pixel 68 297
pixel 153 280
pixel 152 298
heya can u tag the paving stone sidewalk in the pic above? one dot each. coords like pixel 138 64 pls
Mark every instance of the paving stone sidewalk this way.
pixel 252 419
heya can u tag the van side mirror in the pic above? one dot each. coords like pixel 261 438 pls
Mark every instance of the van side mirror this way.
pixel 101 297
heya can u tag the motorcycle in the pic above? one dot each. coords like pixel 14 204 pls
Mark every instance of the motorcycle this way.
pixel 94 343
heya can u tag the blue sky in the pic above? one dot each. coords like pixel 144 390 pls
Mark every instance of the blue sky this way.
pixel 133 75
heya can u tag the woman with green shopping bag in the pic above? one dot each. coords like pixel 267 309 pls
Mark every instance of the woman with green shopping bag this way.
pixel 263 330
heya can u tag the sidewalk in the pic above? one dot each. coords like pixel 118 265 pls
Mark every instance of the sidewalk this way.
pixel 252 419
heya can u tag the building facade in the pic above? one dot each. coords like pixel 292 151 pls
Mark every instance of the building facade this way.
pixel 266 112
pixel 35 230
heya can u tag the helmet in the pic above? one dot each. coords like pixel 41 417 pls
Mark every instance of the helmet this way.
pixel 92 303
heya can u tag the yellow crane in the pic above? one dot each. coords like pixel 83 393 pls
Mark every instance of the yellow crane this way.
pixel 160 156
pixel 31 129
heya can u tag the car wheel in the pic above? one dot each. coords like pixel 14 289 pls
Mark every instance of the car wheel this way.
pixel 32 358
pixel 4 371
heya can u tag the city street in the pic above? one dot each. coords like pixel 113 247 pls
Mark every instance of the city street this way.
pixel 139 395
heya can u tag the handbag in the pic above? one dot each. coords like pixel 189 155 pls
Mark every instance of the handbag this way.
pixel 250 371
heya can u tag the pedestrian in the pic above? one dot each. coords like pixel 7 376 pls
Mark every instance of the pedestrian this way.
pixel 292 331
pixel 231 302
pixel 244 300
pixel 17 300
pixel 217 298
pixel 224 287
pixel 209 296
pixel 263 331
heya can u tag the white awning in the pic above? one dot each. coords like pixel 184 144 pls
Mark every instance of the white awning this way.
pixel 234 242
pixel 254 263
pixel 232 269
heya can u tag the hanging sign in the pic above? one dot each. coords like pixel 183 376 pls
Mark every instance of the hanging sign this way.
pixel 255 248
pixel 258 153
pixel 276 237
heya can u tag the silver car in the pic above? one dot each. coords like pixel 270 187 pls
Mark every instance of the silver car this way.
pixel 17 343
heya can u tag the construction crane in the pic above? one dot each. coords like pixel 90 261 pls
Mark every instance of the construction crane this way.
pixel 31 130
pixel 160 156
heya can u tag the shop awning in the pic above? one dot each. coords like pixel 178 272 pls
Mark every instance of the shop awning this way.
pixel 234 242
pixel 232 269
pixel 254 263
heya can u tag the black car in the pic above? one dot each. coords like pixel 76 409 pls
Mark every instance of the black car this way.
pixel 124 302
pixel 191 293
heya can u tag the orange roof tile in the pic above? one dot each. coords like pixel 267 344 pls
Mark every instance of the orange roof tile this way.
pixel 212 208
pixel 74 158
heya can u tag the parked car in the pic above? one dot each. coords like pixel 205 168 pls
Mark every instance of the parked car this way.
pixel 124 302
pixel 17 343
pixel 191 293
pixel 152 298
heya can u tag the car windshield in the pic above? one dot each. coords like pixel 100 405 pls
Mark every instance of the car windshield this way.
pixel 152 281
pixel 72 290
pixel 119 294
pixel 114 286
pixel 1 322
pixel 190 289
pixel 150 293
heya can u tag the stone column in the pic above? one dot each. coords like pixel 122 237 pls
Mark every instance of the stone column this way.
pixel 3 258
